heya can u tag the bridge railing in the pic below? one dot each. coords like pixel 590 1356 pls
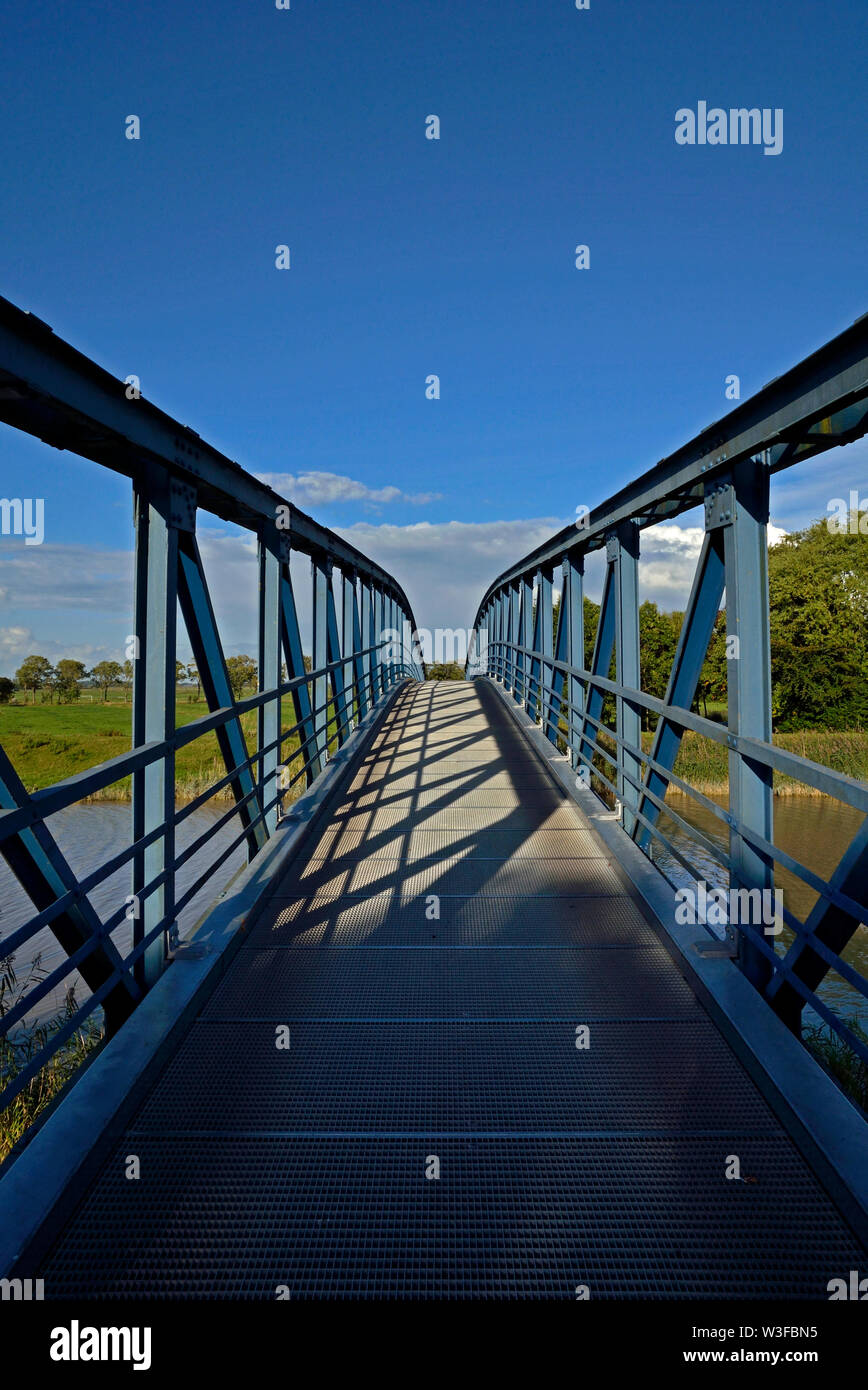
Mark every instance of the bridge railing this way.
pixel 534 647
pixel 49 390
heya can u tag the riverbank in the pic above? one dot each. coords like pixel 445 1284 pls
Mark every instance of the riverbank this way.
pixel 48 743
pixel 705 764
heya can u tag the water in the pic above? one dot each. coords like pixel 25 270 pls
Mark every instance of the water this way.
pixel 89 834
pixel 815 830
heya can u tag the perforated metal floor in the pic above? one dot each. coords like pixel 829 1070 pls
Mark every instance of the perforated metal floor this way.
pixel 429 1127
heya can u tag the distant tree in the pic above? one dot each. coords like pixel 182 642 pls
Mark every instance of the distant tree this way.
pixel 444 671
pixel 180 672
pixel 193 675
pixel 68 675
pixel 127 679
pixel 33 674
pixel 6 688
pixel 242 673
pixel 106 674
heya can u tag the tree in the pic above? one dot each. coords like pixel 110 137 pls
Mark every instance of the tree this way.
pixel 68 674
pixel 33 674
pixel 6 688
pixel 242 673
pixel 180 672
pixel 193 675
pixel 127 679
pixel 106 674
pixel 818 603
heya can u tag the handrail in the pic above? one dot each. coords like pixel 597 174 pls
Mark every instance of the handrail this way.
pixel 596 721
pixel 50 390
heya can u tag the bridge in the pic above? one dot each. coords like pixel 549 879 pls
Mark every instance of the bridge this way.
pixel 446 1035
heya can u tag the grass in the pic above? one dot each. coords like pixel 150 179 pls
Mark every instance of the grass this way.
pixel 704 764
pixel 49 742
pixel 26 1042
pixel 841 1061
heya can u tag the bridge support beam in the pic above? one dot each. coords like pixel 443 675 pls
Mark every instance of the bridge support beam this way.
pixel 744 501
pixel 624 547
pixel 543 643
pixel 696 629
pixel 268 719
pixel 604 645
pixel 204 638
pixel 154 683
pixel 321 573
pixel 570 649
pixel 294 658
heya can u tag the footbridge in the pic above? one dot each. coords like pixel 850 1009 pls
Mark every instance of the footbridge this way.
pixel 447 1034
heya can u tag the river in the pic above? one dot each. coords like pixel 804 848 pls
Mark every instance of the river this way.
pixel 816 831
pixel 88 835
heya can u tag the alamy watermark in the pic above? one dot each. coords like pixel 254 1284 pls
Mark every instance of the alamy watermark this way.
pixel 721 907
pixel 738 126
pixel 23 516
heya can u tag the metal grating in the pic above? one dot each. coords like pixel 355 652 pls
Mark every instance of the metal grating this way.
pixel 349 1217
pixel 472 982
pixel 381 920
pixel 468 1076
pixel 455 1037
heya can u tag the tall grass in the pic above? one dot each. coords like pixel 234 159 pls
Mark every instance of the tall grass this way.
pixel 19 1048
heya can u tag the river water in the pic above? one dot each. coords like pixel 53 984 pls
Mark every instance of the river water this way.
pixel 815 830
pixel 88 835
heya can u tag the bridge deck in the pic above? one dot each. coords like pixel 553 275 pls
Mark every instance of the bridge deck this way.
pixel 416 1036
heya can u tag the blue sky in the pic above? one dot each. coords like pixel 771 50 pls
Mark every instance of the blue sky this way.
pixel 306 127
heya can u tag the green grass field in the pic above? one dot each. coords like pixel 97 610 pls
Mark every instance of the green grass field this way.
pixel 49 742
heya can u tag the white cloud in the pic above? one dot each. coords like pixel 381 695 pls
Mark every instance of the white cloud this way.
pixel 319 489
pixel 445 567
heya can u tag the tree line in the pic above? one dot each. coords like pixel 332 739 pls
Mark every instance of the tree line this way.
pixel 64 681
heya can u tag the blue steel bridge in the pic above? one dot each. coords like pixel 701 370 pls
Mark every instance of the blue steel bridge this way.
pixel 444 1035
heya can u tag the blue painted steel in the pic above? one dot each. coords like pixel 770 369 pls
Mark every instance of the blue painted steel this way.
pixel 322 580
pixel 334 658
pixel 628 715
pixel 696 630
pixel 749 690
pixel 604 645
pixel 269 715
pixel 40 867
pixel 208 650
pixel 546 618
pixel 156 606
pixel 294 658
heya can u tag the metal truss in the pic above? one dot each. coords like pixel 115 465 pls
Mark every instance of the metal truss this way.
pixel 50 390
pixel 594 715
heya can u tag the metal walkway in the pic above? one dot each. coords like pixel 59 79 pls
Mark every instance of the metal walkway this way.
pixel 433 957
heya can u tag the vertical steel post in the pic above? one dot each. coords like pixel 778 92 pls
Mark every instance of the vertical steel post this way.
pixel 546 622
pixel 574 615
pixel 515 636
pixel 348 647
pixel 270 543
pixel 320 569
pixel 525 639
pixel 359 661
pixel 156 613
pixel 625 545
pixel 749 685
pixel 367 619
